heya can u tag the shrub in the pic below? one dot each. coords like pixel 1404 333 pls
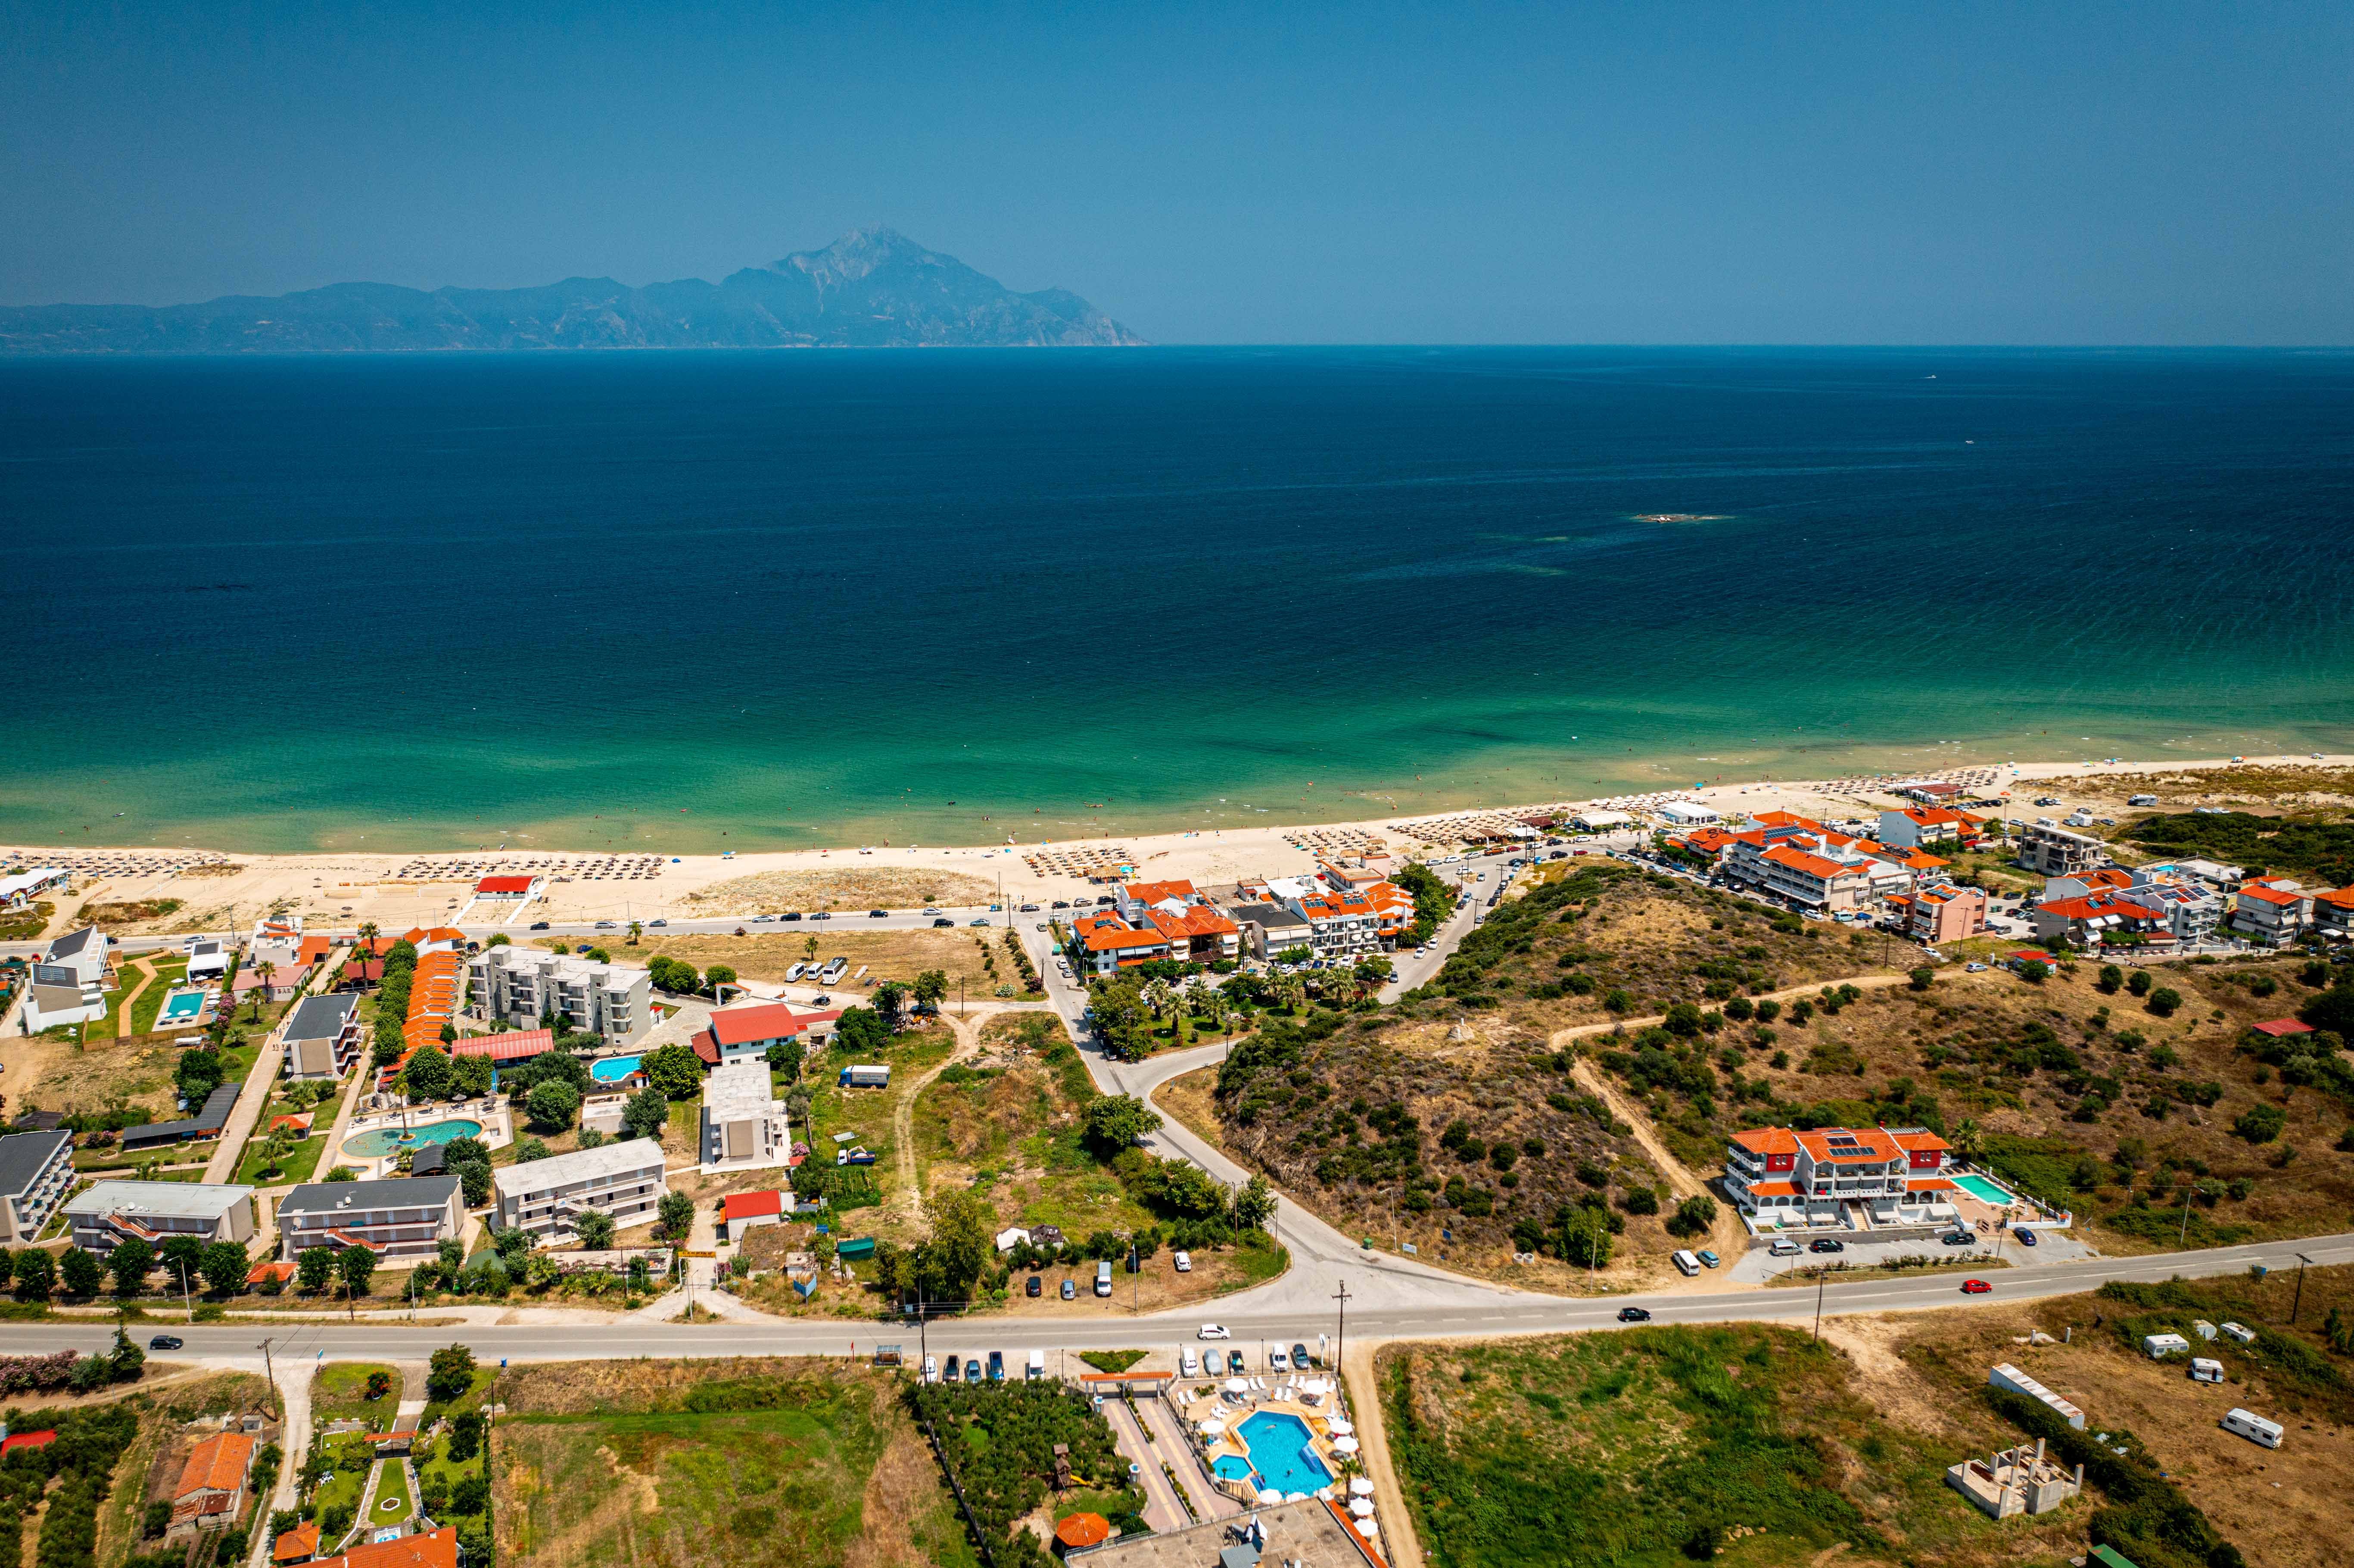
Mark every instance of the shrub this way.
pixel 2260 1124
pixel 2138 984
pixel 2164 1001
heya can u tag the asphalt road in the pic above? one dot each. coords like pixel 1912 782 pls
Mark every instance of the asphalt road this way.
pixel 1270 1313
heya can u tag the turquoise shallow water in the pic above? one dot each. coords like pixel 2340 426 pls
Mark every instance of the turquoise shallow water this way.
pixel 714 600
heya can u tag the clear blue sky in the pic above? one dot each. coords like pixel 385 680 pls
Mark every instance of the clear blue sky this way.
pixel 2024 174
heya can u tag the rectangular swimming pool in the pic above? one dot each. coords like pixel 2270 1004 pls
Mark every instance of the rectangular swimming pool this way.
pixel 1984 1191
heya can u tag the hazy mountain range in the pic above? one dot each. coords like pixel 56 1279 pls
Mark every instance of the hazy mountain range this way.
pixel 872 287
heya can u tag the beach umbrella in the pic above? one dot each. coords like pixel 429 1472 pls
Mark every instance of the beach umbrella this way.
pixel 1361 1508
pixel 1368 1528
pixel 1295 1496
pixel 1211 1426
pixel 1344 1445
pixel 1236 1385
pixel 1270 1496
pixel 1340 1427
pixel 1360 1487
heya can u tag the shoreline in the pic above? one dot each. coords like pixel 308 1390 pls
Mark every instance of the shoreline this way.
pixel 342 888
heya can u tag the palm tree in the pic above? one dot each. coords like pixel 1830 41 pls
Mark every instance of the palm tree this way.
pixel 273 1152
pixel 368 935
pixel 1968 1140
pixel 637 929
pixel 1157 997
pixel 266 969
pixel 809 946
pixel 1290 990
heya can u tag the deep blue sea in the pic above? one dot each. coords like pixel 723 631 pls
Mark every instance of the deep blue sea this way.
pixel 806 597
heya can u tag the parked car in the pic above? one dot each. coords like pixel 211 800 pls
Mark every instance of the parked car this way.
pixel 1827 1243
pixel 2026 1237
pixel 1060 904
pixel 164 1342
pixel 1184 1261
pixel 1300 1360
pixel 1784 1248
pixel 795 915
pixel 1234 1362
pixel 1029 909
pixel 931 1369
pixel 1975 1287
pixel 821 914
pixel 1633 1315
pixel 1070 1290
pixel 1957 1238
pixel 539 925
pixel 1036 1287
pixel 607 925
pixel 1214 1331
pixel 997 1366
pixel 1707 1257
pixel 1277 1360
pixel 943 920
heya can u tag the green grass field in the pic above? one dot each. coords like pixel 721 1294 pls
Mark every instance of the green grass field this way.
pixel 301 1160
pixel 393 1504
pixel 339 1392
pixel 830 1463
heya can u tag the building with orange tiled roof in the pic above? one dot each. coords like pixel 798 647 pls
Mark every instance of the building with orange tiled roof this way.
pixel 2270 909
pixel 1808 864
pixel 1942 913
pixel 1192 929
pixel 1342 926
pixel 1921 825
pixel 211 1490
pixel 1784 1177
pixel 1107 944
pixel 2333 912
pixel 2098 917
pixel 299 1544
pixel 433 1549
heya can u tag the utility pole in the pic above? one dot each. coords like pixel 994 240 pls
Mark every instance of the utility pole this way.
pixel 1820 1280
pixel 2183 1239
pixel 2298 1300
pixel 186 1298
pixel 1340 1349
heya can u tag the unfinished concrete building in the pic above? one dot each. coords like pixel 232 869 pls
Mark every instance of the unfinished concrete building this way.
pixel 2017 1480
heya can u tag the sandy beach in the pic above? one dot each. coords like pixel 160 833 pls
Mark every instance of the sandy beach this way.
pixel 340 889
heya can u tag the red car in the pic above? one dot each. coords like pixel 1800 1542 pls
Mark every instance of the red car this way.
pixel 1975 1287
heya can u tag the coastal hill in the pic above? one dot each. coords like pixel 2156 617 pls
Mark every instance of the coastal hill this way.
pixel 872 287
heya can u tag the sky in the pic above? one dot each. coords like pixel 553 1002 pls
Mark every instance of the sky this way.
pixel 2146 173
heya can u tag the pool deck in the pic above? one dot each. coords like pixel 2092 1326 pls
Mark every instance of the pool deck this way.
pixel 492 1112
pixel 1282 1398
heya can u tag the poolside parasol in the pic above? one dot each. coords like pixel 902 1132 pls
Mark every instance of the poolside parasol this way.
pixel 1236 1385
pixel 1211 1426
pixel 1083 1530
pixel 1340 1427
pixel 1360 1487
pixel 1270 1496
pixel 1344 1445
pixel 1361 1507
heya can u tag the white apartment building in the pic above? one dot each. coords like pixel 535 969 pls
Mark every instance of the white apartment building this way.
pixel 544 1197
pixel 1809 865
pixel 2051 850
pixel 518 986
pixel 1781 1176
pixel 37 1171
pixel 108 1213
pixel 744 1125
pixel 403 1219
pixel 322 1036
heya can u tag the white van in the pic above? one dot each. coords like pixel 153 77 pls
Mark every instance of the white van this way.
pixel 1035 1367
pixel 1103 1276
pixel 1686 1262
pixel 2254 1428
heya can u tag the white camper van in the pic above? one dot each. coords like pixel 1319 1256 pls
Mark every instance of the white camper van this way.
pixel 1686 1262
pixel 2254 1428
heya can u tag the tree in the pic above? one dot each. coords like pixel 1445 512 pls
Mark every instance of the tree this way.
pixel 1640 1201
pixel 379 1383
pixel 2138 984
pixel 675 1070
pixel 37 1274
pixel 268 971
pixel 1684 1019
pixel 2332 1010
pixel 129 1263
pixel 890 1003
pixel 465 1433
pixel 553 1104
pixel 2164 1001
pixel 962 1244
pixel 314 1267
pixel 675 1215
pixel 81 1272
pixel 718 975
pixel 930 988
pixel 1693 1217
pixel 785 1057
pixel 448 1375
pixel 1253 1204
pixel 355 1266
pixel 529 1151
pixel 2112 981
pixel 1922 979
pixel 646 1114
pixel 126 1358
pixel 469 1076
pixel 595 1229
pixel 426 1077
pixel 1115 1122
pixel 226 1264
pixel 860 1031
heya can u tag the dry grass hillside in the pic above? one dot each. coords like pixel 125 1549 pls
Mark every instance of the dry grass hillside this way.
pixel 2085 1097
pixel 848 886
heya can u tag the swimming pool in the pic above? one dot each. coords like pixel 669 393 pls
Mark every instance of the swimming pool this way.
pixel 1985 1192
pixel 180 1007
pixel 612 1069
pixel 380 1141
pixel 1231 1468
pixel 1278 1452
